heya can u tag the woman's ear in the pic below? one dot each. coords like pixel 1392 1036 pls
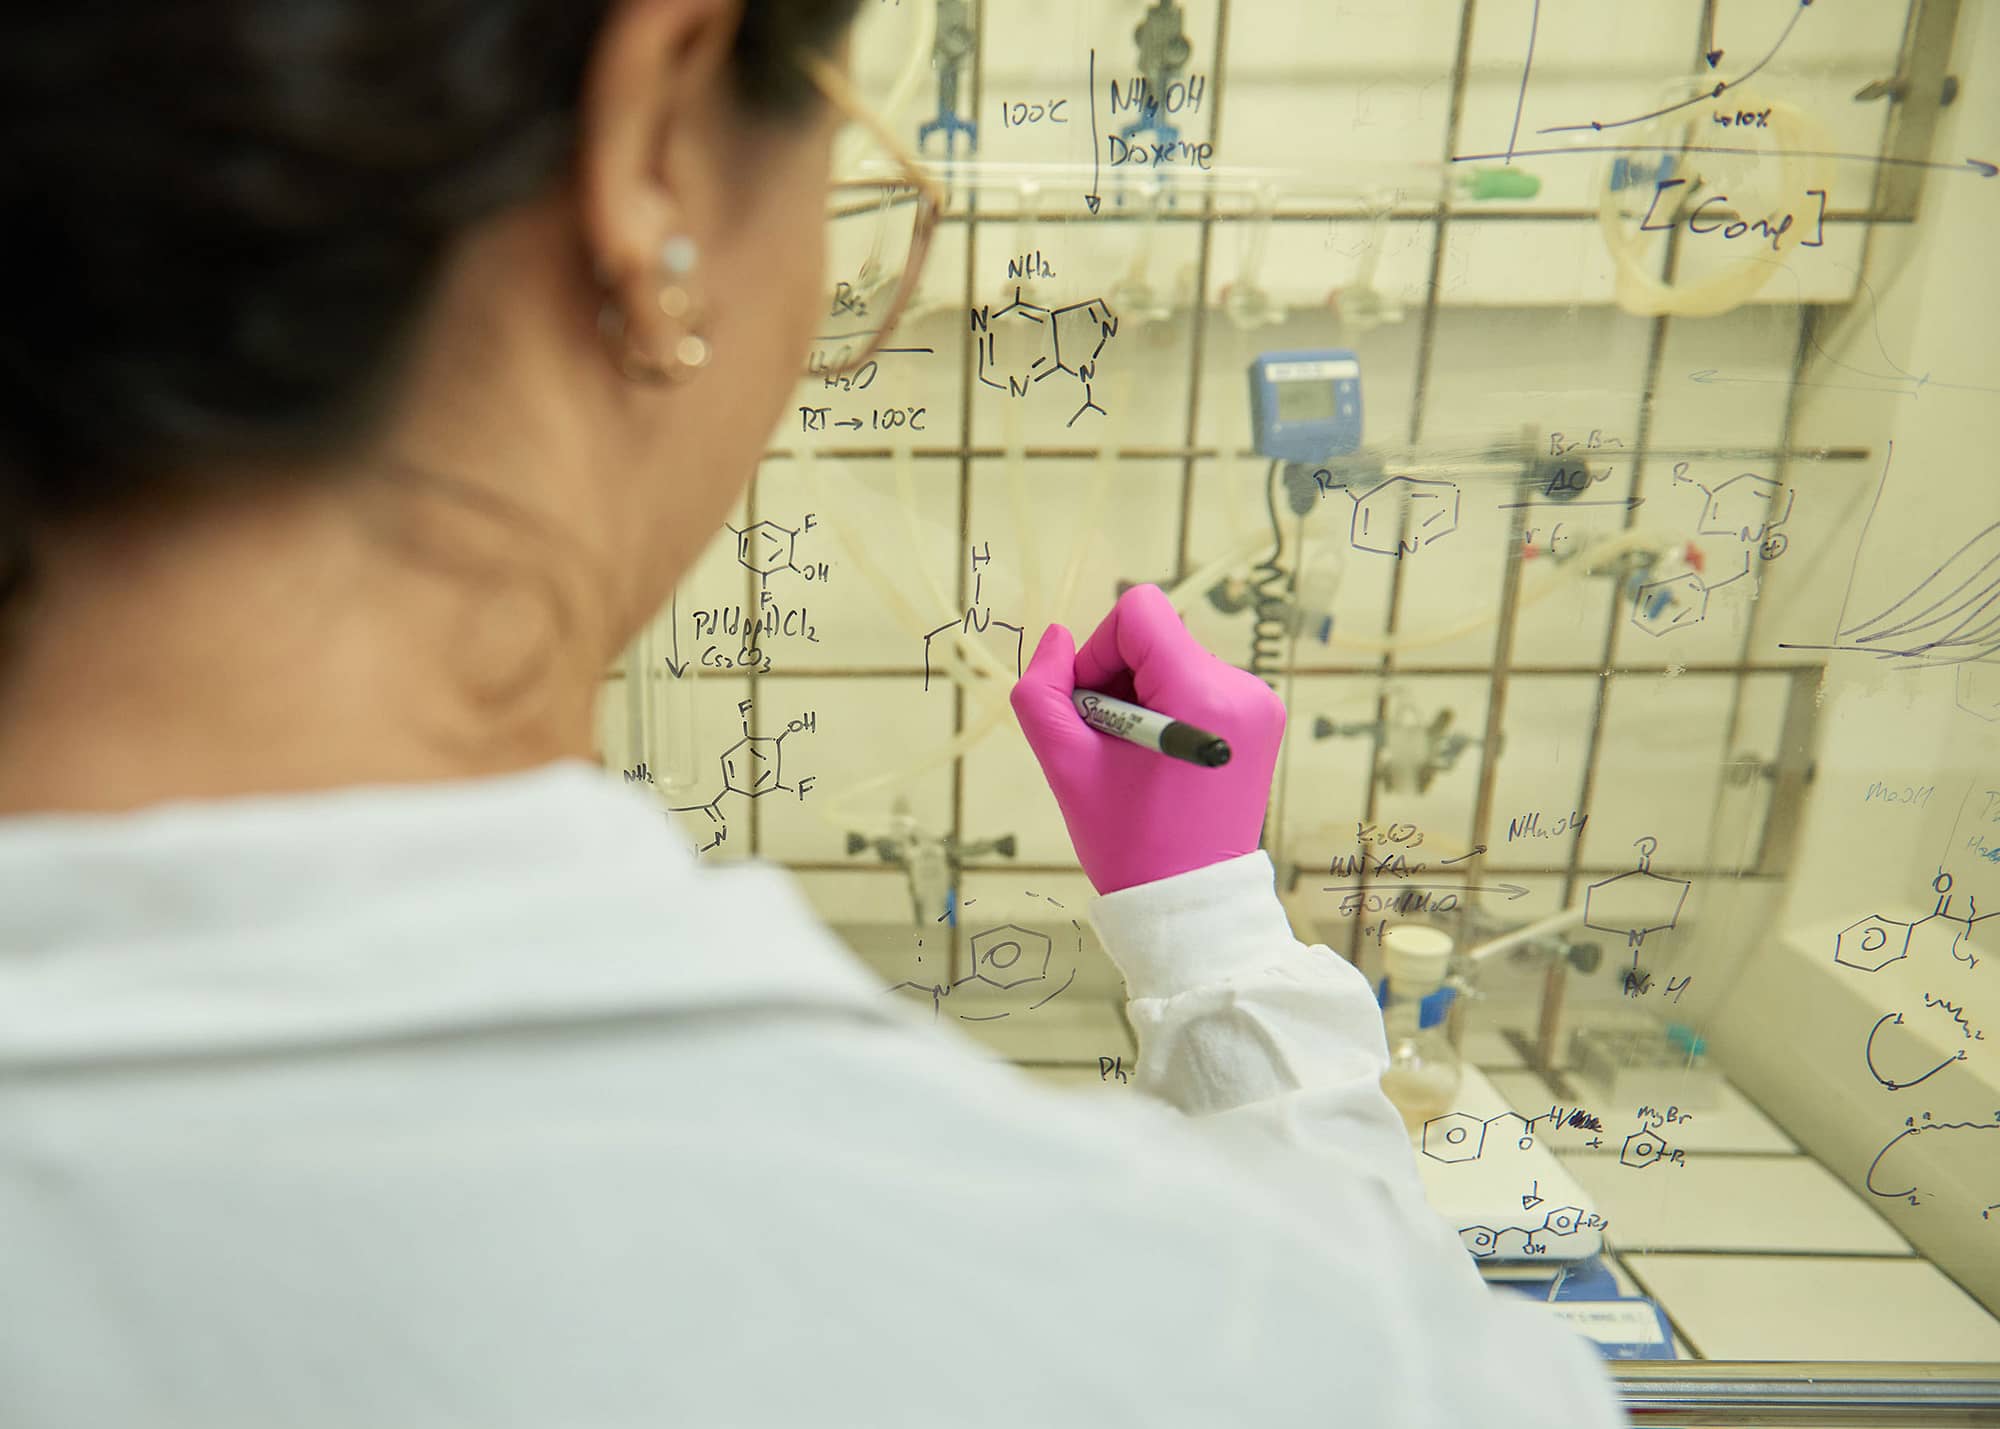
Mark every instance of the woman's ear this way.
pixel 656 109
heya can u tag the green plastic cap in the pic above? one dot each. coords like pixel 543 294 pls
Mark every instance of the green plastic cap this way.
pixel 1488 183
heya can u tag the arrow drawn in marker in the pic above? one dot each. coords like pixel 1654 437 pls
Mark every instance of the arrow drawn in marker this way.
pixel 1716 93
pixel 1630 503
pixel 675 665
pixel 1514 891
pixel 1093 200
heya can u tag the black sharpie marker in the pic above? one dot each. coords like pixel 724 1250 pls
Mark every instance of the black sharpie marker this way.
pixel 1151 730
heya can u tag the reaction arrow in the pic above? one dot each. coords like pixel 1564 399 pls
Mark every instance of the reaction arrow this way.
pixel 1093 200
pixel 675 665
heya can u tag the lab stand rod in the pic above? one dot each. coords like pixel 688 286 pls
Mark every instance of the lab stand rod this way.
pixel 1198 320
pixel 1318 200
pixel 1542 928
pixel 1356 670
pixel 1502 684
pixel 1728 1393
pixel 1548 1019
pixel 1441 215
pixel 1297 872
pixel 1170 452
pixel 1794 756
pixel 966 378
pixel 1361 213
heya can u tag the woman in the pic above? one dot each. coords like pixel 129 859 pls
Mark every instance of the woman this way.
pixel 373 372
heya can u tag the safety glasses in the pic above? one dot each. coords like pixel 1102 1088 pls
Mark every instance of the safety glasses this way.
pixel 878 236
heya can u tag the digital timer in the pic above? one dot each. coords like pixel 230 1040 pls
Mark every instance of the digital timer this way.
pixel 1306 406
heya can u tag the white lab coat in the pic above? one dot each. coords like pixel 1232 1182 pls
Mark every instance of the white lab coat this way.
pixel 485 1105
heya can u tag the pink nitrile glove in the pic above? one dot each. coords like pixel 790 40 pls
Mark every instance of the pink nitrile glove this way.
pixel 1134 815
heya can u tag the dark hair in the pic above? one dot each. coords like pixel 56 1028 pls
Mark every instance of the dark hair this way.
pixel 226 215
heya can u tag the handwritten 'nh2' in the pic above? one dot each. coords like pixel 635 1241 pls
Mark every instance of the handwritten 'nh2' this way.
pixel 1711 217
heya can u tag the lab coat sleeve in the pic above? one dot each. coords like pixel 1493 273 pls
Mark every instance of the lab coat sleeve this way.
pixel 1272 1044
pixel 1274 1049
pixel 1237 1019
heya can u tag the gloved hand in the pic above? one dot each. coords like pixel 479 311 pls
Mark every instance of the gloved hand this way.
pixel 1135 815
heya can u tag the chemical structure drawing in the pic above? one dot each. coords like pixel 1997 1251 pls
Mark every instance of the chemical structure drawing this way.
pixel 1977 690
pixel 1742 507
pixel 1934 618
pixel 1746 508
pixel 1015 969
pixel 1636 902
pixel 1484 1241
pixel 1923 1124
pixel 977 619
pixel 1402 515
pixel 764 548
pixel 1906 1047
pixel 1461 1136
pixel 1646 1148
pixel 1025 343
pixel 1661 606
pixel 753 767
pixel 1870 944
pixel 1904 1082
